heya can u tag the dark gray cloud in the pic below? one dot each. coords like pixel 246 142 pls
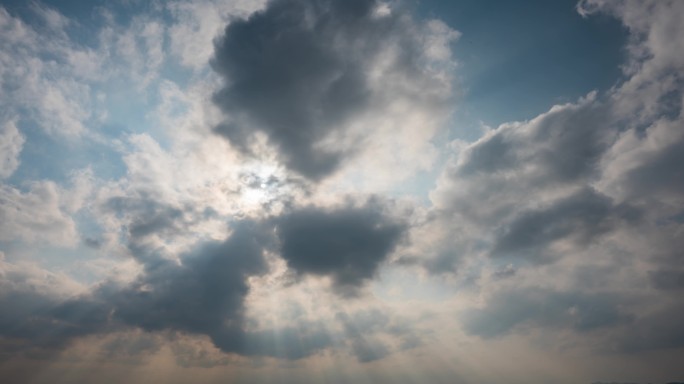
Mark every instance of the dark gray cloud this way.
pixel 348 244
pixel 200 295
pixel 660 174
pixel 299 70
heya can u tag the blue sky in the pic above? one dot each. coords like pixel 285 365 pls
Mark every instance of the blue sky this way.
pixel 329 191
pixel 518 60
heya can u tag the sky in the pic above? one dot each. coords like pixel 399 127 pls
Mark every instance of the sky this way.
pixel 341 191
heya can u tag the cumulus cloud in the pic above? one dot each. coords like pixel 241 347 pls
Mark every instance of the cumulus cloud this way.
pixel 312 75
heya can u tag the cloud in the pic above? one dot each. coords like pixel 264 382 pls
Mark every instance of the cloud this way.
pixel 347 244
pixel 54 20
pixel 28 294
pixel 11 143
pixel 48 93
pixel 153 228
pixel 360 329
pixel 581 217
pixel 39 214
pixel 547 155
pixel 667 279
pixel 202 295
pixel 309 75
pixel 197 23
pixel 136 48
pixel 643 165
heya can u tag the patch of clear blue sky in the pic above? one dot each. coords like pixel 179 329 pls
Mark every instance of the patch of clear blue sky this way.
pixel 519 58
